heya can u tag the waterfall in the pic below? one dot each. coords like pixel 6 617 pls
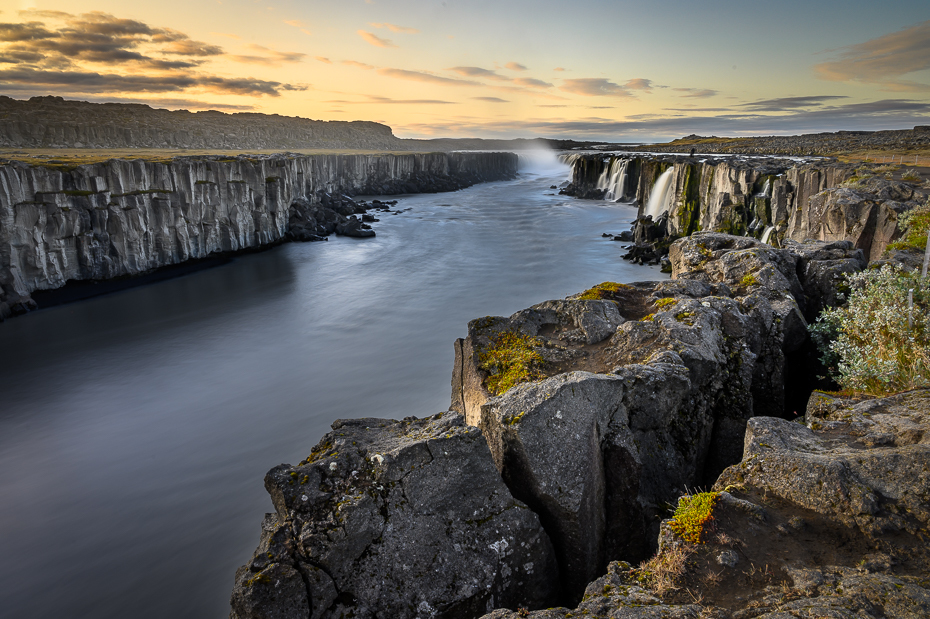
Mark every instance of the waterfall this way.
pixel 614 179
pixel 658 198
pixel 767 189
pixel 768 232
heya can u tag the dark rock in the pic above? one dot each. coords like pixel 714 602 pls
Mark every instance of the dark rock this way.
pixel 399 519
pixel 354 227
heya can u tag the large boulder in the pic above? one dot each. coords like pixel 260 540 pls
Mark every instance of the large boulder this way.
pixel 395 519
pixel 822 519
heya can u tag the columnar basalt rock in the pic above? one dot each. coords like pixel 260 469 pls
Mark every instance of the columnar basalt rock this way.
pixel 127 217
pixel 395 519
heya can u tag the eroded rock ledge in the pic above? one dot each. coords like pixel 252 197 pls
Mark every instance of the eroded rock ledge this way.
pixel 640 393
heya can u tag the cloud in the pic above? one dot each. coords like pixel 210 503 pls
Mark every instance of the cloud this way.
pixel 323 59
pixel 639 84
pixel 869 116
pixel 515 66
pixel 269 57
pixel 373 39
pixel 696 93
pixel 395 28
pixel 86 82
pixel 97 52
pixel 531 82
pixel 299 25
pixel 789 103
pixel 375 99
pixel 419 76
pixel 491 99
pixel 560 69
pixel 594 87
pixel 479 72
pixel 359 65
pixel 878 61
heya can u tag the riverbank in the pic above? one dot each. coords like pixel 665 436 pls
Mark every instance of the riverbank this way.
pixel 67 220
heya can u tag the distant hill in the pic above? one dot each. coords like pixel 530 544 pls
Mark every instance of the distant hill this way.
pixel 53 122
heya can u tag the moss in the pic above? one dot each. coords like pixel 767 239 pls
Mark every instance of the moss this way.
pixel 204 183
pixel 602 291
pixel 692 516
pixel 664 302
pixel 647 317
pixel 748 280
pixel 73 192
pixel 141 192
pixel 510 359
pixel 272 179
pixel 685 317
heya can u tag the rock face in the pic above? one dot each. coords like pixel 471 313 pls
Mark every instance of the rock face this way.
pixel 866 216
pixel 123 218
pixel 778 200
pixel 824 519
pixel 395 519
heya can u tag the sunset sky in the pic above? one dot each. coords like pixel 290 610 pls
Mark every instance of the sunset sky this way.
pixel 623 71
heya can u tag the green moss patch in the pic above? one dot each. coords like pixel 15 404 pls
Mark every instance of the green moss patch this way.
pixel 510 359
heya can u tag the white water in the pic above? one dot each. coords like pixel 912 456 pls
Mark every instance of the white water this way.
pixel 658 197
pixel 768 232
pixel 613 179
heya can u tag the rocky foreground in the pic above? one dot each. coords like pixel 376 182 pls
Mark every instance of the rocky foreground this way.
pixel 523 495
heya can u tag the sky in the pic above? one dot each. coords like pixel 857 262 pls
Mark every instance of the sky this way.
pixel 588 70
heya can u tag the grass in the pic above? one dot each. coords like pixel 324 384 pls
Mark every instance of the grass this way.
pixel 510 359
pixel 915 225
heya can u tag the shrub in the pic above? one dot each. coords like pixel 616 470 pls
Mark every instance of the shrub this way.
pixel 914 225
pixel 510 359
pixel 867 343
pixel 911 175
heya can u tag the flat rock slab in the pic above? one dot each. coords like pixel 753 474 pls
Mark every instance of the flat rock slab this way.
pixel 396 519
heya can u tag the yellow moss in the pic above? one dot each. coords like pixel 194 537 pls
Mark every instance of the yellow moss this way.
pixel 510 359
pixel 602 291
pixel 692 515
pixel 748 280
pixel 664 302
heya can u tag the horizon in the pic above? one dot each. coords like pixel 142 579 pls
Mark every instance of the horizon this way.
pixel 492 71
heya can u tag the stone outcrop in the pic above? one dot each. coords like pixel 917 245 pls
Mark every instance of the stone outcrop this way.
pixel 822 519
pixel 126 217
pixel 866 215
pixel 395 519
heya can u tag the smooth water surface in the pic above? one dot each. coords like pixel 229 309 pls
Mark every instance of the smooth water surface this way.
pixel 136 428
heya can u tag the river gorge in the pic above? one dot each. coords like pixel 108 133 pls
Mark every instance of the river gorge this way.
pixel 136 426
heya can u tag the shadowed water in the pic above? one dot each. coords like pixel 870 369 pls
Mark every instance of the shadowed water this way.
pixel 136 428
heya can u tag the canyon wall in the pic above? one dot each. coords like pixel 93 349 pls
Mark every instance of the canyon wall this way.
pixel 126 217
pixel 766 198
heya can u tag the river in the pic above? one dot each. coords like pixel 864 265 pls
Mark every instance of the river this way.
pixel 136 427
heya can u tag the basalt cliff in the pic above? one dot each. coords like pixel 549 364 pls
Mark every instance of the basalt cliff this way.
pixel 537 498
pixel 123 218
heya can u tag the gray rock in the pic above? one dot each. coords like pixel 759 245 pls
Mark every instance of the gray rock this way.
pixel 401 519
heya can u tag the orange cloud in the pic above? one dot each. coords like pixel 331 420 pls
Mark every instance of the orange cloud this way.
pixel 395 28
pixel 880 60
pixel 595 87
pixel 515 66
pixel 373 39
pixel 419 76
pixel 298 24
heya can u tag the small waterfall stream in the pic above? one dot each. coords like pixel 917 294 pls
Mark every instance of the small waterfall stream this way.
pixel 613 179
pixel 658 197
pixel 767 233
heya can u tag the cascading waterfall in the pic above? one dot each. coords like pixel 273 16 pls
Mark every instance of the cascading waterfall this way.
pixel 658 198
pixel 613 179
pixel 768 233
